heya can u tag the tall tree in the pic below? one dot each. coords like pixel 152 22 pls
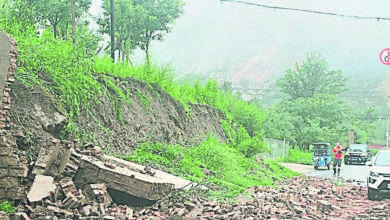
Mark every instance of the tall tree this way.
pixel 73 21
pixel 24 12
pixel 312 77
pixel 137 23
pixel 112 32
pixel 128 17
pixel 159 17
pixel 319 118
pixel 312 109
pixel 4 9
pixel 59 14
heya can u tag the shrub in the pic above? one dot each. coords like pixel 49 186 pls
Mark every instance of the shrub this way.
pixel 298 156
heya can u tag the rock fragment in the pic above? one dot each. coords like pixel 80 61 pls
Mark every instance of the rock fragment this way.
pixel 42 187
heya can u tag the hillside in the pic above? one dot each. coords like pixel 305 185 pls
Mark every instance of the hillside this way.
pixel 138 113
pixel 152 116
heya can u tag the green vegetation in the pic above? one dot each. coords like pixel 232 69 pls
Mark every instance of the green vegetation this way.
pixel 79 79
pixel 312 77
pixel 311 110
pixel 298 156
pixel 7 207
pixel 138 22
pixel 211 162
pixel 244 121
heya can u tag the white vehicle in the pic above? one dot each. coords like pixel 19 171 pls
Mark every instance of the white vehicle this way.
pixel 378 181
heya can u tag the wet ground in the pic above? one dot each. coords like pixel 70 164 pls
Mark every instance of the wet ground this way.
pixel 354 173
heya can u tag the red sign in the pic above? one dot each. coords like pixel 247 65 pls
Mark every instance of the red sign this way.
pixel 384 56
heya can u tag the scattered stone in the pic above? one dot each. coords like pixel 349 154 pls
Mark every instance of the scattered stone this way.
pixel 98 193
pixel 42 187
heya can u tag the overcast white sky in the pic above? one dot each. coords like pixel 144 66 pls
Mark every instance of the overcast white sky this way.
pixel 247 42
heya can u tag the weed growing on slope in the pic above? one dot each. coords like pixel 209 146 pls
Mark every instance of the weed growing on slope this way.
pixel 79 80
pixel 243 123
pixel 7 207
pixel 212 162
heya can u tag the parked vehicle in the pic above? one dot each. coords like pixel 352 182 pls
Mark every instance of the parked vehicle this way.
pixel 378 181
pixel 357 154
pixel 322 155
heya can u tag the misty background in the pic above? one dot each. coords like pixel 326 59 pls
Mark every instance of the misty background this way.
pixel 252 46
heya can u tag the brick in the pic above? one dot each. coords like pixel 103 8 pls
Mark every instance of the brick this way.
pixel 4 151
pixel 17 171
pixel 9 160
pixel 7 107
pixel 3 172
pixel 9 182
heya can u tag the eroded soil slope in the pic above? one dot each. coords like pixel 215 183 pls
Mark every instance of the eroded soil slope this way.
pixel 151 115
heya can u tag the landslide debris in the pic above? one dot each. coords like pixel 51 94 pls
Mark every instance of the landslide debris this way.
pixel 296 198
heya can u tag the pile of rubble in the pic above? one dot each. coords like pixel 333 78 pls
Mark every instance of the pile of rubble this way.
pixel 54 195
pixel 69 181
pixel 296 198
pixel 57 196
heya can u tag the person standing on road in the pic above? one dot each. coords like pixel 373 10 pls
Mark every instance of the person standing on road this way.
pixel 338 155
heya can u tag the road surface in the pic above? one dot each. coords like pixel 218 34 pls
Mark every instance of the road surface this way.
pixel 352 173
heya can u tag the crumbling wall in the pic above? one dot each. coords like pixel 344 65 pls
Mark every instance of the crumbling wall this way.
pixel 13 168
pixel 4 59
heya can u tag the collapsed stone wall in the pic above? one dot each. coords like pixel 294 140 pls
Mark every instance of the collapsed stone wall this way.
pixel 13 166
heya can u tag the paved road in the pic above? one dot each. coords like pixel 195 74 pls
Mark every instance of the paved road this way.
pixel 355 173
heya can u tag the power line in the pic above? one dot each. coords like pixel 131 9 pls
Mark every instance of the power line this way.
pixel 309 11
pixel 346 94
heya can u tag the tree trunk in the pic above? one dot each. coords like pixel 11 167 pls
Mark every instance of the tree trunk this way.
pixel 65 32
pixel 112 30
pixel 119 54
pixel 55 30
pixel 147 53
pixel 123 55
pixel 73 22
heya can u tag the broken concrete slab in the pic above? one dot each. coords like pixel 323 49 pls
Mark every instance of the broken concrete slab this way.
pixel 150 174
pixel 126 177
pixel 41 188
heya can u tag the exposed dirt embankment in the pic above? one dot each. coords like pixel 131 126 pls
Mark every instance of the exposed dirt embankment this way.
pixel 151 115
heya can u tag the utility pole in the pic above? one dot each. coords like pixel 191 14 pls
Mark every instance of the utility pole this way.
pixel 112 30
pixel 351 137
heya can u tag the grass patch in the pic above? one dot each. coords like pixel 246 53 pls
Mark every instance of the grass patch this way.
pixel 298 156
pixel 7 207
pixel 214 163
